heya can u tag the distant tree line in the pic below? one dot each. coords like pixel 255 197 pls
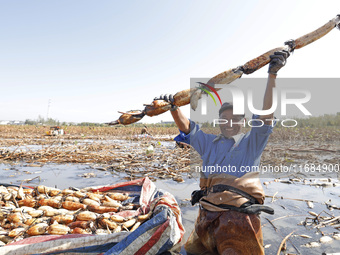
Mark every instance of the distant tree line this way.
pixel 327 120
pixel 43 121
pixel 53 122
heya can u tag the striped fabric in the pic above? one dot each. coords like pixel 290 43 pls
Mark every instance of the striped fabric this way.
pixel 160 233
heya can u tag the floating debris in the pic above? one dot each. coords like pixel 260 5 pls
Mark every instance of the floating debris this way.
pixel 303 236
pixel 312 245
pixel 336 236
pixel 178 179
pixel 326 239
pixel 313 213
pixel 266 183
pixel 329 221
pixel 150 149
pixel 310 204
pixel 87 175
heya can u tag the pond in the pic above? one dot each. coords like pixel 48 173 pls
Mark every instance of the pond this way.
pixel 289 215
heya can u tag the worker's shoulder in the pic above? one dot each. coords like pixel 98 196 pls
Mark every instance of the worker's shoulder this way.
pixel 201 135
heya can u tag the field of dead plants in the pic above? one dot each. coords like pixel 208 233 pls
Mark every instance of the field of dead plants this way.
pixel 125 149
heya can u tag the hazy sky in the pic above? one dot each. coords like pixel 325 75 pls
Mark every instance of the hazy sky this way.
pixel 94 58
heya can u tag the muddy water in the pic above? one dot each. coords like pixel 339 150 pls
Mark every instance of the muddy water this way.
pixel 296 212
pixel 291 211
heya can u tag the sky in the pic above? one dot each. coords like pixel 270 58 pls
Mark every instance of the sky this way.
pixel 92 59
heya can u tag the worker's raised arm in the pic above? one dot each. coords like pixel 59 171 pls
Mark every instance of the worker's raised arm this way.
pixel 268 98
pixel 180 119
pixel 278 60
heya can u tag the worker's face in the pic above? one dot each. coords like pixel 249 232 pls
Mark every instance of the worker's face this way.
pixel 233 125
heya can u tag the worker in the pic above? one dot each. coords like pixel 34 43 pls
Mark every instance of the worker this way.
pixel 230 201
pixel 145 131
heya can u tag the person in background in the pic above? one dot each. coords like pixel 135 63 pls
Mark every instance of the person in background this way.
pixel 145 131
